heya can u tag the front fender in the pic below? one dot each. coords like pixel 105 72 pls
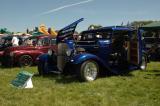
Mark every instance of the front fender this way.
pixel 78 59
pixel 43 58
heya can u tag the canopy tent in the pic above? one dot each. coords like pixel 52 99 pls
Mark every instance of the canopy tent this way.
pixel 36 33
pixel 152 26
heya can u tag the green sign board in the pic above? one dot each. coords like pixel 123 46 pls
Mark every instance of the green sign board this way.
pixel 23 80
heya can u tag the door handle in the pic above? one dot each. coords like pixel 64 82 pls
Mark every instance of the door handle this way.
pixel 96 47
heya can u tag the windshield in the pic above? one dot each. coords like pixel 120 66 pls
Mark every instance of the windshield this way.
pixel 30 42
pixel 151 34
pixel 94 35
pixel 151 37
pixel 46 41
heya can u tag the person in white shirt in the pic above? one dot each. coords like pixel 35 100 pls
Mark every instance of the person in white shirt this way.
pixel 15 41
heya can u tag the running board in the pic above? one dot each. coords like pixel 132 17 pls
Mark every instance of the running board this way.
pixel 56 72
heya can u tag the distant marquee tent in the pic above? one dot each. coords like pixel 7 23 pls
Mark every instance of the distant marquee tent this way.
pixel 153 25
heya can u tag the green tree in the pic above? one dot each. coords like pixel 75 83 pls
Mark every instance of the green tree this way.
pixel 4 31
pixel 92 26
pixel 140 23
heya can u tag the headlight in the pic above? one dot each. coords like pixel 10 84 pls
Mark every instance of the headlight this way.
pixel 68 52
pixel 11 54
pixel 50 52
pixel 37 59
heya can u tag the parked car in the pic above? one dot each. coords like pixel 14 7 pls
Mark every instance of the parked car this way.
pixel 151 39
pixel 98 51
pixel 26 54
pixel 5 41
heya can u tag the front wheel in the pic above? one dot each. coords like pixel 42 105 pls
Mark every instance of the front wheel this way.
pixel 40 68
pixel 143 64
pixel 88 71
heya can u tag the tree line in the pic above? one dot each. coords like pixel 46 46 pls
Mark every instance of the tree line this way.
pixel 135 24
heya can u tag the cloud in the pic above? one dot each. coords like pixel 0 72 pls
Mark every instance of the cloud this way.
pixel 65 6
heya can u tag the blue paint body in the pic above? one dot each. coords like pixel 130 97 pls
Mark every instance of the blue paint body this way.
pixel 100 50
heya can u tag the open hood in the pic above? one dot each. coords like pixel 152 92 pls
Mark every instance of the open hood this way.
pixel 68 31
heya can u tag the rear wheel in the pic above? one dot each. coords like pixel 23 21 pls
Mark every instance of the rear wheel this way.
pixel 25 60
pixel 88 71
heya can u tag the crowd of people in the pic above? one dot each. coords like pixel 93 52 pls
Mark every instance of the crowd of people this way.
pixel 12 40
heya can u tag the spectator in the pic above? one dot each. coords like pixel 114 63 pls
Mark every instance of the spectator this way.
pixel 15 41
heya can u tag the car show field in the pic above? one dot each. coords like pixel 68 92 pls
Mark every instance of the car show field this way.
pixel 136 88
pixel 79 53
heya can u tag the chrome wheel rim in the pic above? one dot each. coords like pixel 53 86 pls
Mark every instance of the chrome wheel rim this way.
pixel 90 71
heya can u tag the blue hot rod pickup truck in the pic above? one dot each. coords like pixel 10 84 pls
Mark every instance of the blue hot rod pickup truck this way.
pixel 94 52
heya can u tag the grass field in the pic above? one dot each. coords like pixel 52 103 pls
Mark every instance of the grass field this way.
pixel 138 88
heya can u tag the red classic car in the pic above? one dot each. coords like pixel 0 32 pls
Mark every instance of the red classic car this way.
pixel 31 48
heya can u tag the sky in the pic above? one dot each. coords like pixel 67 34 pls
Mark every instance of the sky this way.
pixel 18 15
